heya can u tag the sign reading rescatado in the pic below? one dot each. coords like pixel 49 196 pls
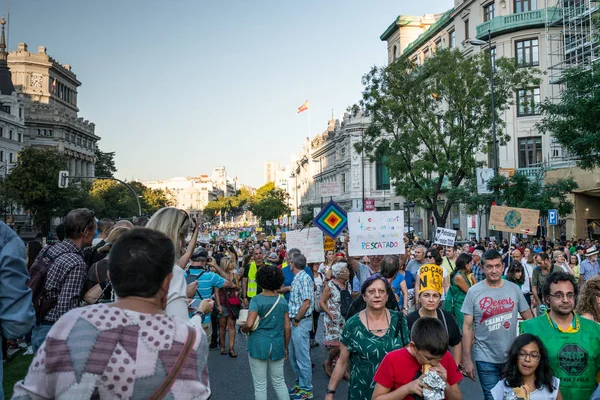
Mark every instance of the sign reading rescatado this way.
pixel 376 233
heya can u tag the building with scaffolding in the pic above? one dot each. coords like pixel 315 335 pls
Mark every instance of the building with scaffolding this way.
pixel 551 37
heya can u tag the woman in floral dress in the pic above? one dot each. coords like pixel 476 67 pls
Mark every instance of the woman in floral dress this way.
pixel 331 304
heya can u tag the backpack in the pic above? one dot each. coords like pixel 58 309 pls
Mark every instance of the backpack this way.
pixel 345 300
pixel 318 293
pixel 90 254
pixel 37 283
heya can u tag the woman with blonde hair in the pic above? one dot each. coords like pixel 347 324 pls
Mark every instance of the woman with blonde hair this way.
pixel 176 224
pixel 97 287
pixel 588 304
pixel 228 304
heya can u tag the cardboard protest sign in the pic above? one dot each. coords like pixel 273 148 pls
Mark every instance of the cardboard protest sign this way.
pixel 329 244
pixel 376 233
pixel 431 277
pixel 309 242
pixel 444 236
pixel 516 220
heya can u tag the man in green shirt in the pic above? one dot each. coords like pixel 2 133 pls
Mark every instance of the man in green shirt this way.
pixel 573 342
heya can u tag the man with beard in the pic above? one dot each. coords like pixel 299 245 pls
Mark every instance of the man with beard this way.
pixel 573 342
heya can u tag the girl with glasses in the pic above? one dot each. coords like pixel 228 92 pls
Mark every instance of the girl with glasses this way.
pixel 527 372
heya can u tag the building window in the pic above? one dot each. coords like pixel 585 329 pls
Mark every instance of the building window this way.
pixel 467 37
pixel 20 112
pixel 425 54
pixel 438 44
pixel 488 11
pixel 10 135
pixel 1 131
pixel 382 174
pixel 395 53
pixel 528 101
pixel 11 157
pixel 530 152
pixel 452 39
pixel 6 109
pixel 344 182
pixel 20 137
pixel 527 53
pixel 525 5
pixel 1 155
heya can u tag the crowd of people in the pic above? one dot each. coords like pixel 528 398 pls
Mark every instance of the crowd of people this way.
pixel 131 310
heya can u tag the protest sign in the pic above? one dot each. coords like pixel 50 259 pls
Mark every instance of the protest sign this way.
pixel 204 238
pixel 515 220
pixel 445 237
pixel 329 244
pixel 376 233
pixel 309 242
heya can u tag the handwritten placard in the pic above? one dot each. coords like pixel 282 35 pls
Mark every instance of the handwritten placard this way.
pixel 445 237
pixel 516 220
pixel 376 233
pixel 309 242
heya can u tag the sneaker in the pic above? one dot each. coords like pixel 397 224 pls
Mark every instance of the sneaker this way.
pixel 302 395
pixel 294 390
pixel 29 351
pixel 22 345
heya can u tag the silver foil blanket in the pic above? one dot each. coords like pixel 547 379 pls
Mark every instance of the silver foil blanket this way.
pixel 436 388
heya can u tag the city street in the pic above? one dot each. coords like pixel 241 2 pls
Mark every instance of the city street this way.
pixel 230 378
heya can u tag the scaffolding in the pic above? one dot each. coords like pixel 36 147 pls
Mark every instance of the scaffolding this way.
pixel 571 41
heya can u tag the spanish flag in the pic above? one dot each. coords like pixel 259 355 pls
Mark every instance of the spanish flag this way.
pixel 53 85
pixel 303 107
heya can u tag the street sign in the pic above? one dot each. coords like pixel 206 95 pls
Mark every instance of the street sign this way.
pixel 63 179
pixel 484 175
pixel 316 211
pixel 552 217
pixel 369 204
pixel 330 189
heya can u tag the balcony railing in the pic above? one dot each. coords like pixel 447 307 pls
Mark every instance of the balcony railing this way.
pixel 532 173
pixel 514 22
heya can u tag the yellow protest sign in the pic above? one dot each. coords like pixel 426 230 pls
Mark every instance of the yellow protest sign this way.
pixel 515 220
pixel 431 277
pixel 329 244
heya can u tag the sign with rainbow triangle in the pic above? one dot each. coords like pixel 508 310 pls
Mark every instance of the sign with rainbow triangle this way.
pixel 332 219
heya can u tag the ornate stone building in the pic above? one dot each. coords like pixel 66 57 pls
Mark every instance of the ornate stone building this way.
pixel 51 113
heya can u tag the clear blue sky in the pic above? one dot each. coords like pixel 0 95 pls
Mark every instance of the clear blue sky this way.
pixel 177 87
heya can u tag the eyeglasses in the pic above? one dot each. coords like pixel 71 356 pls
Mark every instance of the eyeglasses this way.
pixel 428 256
pixel 532 356
pixel 561 295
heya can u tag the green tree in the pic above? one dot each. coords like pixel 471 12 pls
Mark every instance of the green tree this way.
pixel 112 199
pixel 105 164
pixel 269 202
pixel 429 122
pixel 575 120
pixel 33 183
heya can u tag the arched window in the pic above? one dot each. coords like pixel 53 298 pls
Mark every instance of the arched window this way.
pixel 395 54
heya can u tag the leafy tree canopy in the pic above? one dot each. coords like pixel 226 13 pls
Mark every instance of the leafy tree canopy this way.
pixel 575 120
pixel 431 121
pixel 105 164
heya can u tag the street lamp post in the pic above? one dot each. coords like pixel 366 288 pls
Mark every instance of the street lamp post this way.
pixel 477 42
pixel 409 206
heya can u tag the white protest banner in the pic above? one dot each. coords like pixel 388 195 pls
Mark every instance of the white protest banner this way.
pixel 204 239
pixel 309 242
pixel 445 237
pixel 376 233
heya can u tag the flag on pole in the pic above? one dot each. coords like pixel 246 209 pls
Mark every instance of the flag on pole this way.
pixel 303 107
pixel 53 85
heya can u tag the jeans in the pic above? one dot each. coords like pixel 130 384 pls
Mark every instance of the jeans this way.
pixel 489 376
pixel 38 335
pixel 274 369
pixel 299 353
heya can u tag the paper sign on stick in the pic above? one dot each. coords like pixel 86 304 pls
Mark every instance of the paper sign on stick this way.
pixel 445 237
pixel 516 220
pixel 376 233
pixel 309 242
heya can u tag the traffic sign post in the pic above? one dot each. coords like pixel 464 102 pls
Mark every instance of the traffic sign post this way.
pixel 63 179
pixel 553 220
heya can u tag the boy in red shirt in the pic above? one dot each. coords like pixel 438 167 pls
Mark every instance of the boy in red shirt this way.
pixel 399 375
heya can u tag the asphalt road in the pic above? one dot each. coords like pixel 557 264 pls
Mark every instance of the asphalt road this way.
pixel 230 378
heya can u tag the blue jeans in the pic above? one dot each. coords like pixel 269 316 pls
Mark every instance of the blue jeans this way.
pixel 38 335
pixel 489 376
pixel 299 353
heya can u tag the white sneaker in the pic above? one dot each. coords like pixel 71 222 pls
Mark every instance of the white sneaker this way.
pixel 22 345
pixel 29 351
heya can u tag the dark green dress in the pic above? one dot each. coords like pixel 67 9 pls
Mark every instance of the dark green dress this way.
pixel 367 350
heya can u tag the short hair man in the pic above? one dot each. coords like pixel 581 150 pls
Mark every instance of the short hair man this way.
pixel 477 268
pixel 573 342
pixel 301 306
pixel 538 278
pixel 125 343
pixel 429 345
pixel 493 305
pixel 66 274
pixel 288 275
pixel 414 265
pixel 105 225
